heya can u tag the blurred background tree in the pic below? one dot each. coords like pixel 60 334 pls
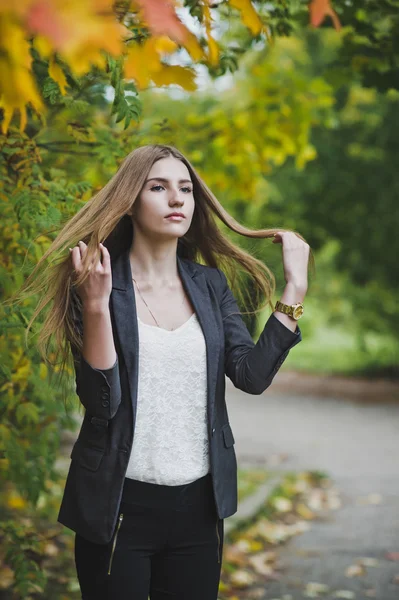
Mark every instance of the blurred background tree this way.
pixel 289 125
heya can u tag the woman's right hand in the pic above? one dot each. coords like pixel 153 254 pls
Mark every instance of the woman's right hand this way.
pixel 96 289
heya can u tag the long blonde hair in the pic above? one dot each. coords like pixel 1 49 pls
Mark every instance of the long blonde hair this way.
pixel 104 219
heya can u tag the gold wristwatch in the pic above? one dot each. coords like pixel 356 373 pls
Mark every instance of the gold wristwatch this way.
pixel 293 310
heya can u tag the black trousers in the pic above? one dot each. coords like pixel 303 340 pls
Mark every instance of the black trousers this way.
pixel 167 545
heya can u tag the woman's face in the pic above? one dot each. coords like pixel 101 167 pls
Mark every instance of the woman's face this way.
pixel 168 189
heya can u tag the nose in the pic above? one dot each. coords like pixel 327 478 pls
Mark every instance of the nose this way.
pixel 176 198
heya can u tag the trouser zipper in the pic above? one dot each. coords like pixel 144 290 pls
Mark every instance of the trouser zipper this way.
pixel 114 544
pixel 217 533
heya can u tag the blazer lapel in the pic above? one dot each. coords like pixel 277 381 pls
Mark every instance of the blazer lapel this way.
pixel 194 282
pixel 124 314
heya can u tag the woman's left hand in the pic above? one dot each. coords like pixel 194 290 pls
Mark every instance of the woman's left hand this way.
pixel 295 258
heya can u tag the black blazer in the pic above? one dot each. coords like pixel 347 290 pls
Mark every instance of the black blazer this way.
pixel 100 456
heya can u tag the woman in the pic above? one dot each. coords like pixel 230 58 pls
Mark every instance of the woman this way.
pixel 153 333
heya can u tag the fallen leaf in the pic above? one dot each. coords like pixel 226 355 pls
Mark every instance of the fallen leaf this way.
pixel 355 571
pixel 234 556
pixel 282 504
pixel 392 555
pixel 260 563
pixel 314 589
pixel 333 502
pixel 242 578
pixel 51 549
pixel 316 499
pixel 243 545
pixel 304 511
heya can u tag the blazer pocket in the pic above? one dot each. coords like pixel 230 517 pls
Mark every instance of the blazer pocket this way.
pixel 87 456
pixel 228 437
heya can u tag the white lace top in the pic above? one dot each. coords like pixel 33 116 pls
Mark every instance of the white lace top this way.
pixel 170 445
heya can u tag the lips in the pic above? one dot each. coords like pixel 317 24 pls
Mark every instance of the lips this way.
pixel 175 215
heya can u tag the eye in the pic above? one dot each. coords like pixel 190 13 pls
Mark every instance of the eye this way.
pixel 189 190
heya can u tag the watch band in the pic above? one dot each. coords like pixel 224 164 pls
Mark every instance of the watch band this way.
pixel 293 310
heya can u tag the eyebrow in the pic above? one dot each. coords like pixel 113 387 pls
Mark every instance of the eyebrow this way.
pixel 167 180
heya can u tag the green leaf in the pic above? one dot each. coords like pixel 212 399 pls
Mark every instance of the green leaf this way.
pixel 28 411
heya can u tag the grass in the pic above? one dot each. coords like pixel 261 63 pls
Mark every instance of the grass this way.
pixel 335 349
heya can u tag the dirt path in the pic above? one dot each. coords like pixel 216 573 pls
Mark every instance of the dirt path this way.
pixel 354 437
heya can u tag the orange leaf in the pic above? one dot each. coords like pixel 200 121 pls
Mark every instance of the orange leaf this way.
pixel 319 10
pixel 161 19
pixel 44 18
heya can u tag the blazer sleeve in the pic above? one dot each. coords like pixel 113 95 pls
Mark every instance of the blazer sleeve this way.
pixel 99 390
pixel 252 367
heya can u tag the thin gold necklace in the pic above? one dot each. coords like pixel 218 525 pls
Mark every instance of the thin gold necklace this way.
pixel 141 296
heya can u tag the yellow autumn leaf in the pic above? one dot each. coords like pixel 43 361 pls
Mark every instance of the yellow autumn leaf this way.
pixel 213 54
pixel 255 546
pixel 22 372
pixel 213 48
pixel 4 464
pixel 193 47
pixel 183 76
pixel 142 61
pixel 16 501
pixel 164 44
pixel 17 86
pixel 304 511
pixel 7 577
pixel 58 75
pixel 5 433
pixel 43 370
pixel 249 16
pixel 43 46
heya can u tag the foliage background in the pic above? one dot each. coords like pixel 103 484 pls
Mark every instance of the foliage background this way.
pixel 292 126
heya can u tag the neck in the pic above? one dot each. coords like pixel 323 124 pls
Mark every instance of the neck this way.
pixel 155 266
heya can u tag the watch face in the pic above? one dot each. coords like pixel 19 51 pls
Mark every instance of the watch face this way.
pixel 298 312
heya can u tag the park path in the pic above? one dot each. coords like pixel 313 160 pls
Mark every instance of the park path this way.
pixel 356 442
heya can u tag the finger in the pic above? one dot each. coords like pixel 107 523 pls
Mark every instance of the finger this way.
pixel 82 247
pixel 76 258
